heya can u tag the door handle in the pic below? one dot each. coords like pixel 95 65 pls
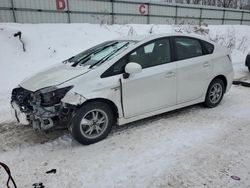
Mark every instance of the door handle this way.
pixel 206 64
pixel 169 74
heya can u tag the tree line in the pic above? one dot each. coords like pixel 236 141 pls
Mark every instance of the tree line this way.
pixel 236 4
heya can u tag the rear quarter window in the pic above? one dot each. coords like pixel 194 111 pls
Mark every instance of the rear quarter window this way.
pixel 208 47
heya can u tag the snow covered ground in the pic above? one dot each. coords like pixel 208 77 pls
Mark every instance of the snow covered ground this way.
pixel 190 147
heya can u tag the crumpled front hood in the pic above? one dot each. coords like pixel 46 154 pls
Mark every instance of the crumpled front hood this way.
pixel 53 76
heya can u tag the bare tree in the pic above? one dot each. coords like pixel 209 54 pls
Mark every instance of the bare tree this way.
pixel 179 1
pixel 19 35
pixel 237 4
pixel 132 31
pixel 208 2
pixel 227 3
pixel 245 5
pixel 196 1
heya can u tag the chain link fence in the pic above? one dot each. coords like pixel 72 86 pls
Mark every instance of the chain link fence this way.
pixel 116 12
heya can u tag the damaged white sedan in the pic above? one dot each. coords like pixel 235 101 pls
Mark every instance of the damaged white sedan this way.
pixel 124 80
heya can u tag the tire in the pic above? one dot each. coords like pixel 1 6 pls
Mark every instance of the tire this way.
pixel 92 122
pixel 215 93
pixel 249 69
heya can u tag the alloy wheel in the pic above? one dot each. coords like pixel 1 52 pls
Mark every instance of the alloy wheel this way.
pixel 94 123
pixel 215 93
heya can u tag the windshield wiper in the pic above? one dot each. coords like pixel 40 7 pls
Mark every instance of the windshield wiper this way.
pixel 87 57
pixel 108 56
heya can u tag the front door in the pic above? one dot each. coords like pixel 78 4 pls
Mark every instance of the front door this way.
pixel 155 87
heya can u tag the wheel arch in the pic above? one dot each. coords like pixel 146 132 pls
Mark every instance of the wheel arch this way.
pixel 223 78
pixel 207 101
pixel 111 104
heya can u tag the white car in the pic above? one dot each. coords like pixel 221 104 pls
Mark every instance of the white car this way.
pixel 124 80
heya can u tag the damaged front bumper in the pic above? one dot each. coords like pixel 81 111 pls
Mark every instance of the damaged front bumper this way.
pixel 43 109
pixel 41 118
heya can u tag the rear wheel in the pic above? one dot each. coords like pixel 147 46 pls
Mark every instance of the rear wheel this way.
pixel 215 93
pixel 92 122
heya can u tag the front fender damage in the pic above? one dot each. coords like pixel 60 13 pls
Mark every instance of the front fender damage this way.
pixel 41 116
pixel 66 108
pixel 73 98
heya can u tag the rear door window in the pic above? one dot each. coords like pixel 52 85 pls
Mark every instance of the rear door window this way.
pixel 187 47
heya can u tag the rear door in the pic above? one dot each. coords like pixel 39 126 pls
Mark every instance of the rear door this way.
pixel 193 69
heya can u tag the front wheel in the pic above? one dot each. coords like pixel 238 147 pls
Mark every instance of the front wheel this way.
pixel 92 122
pixel 215 93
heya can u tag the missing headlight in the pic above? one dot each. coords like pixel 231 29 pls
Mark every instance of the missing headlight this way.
pixel 50 97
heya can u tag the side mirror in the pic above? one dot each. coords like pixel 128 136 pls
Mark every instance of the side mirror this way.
pixel 132 68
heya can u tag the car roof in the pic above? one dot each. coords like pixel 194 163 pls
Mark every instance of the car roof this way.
pixel 133 38
pixel 139 38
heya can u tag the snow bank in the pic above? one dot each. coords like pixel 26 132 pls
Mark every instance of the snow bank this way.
pixel 48 44
pixel 191 147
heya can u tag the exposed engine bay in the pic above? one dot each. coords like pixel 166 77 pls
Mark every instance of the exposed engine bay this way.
pixel 42 109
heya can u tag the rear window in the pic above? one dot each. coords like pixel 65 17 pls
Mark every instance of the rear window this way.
pixel 209 48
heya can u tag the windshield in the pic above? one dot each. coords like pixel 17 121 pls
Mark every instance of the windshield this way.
pixel 100 53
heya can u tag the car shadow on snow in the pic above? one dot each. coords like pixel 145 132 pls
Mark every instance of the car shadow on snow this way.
pixel 150 121
pixel 14 135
